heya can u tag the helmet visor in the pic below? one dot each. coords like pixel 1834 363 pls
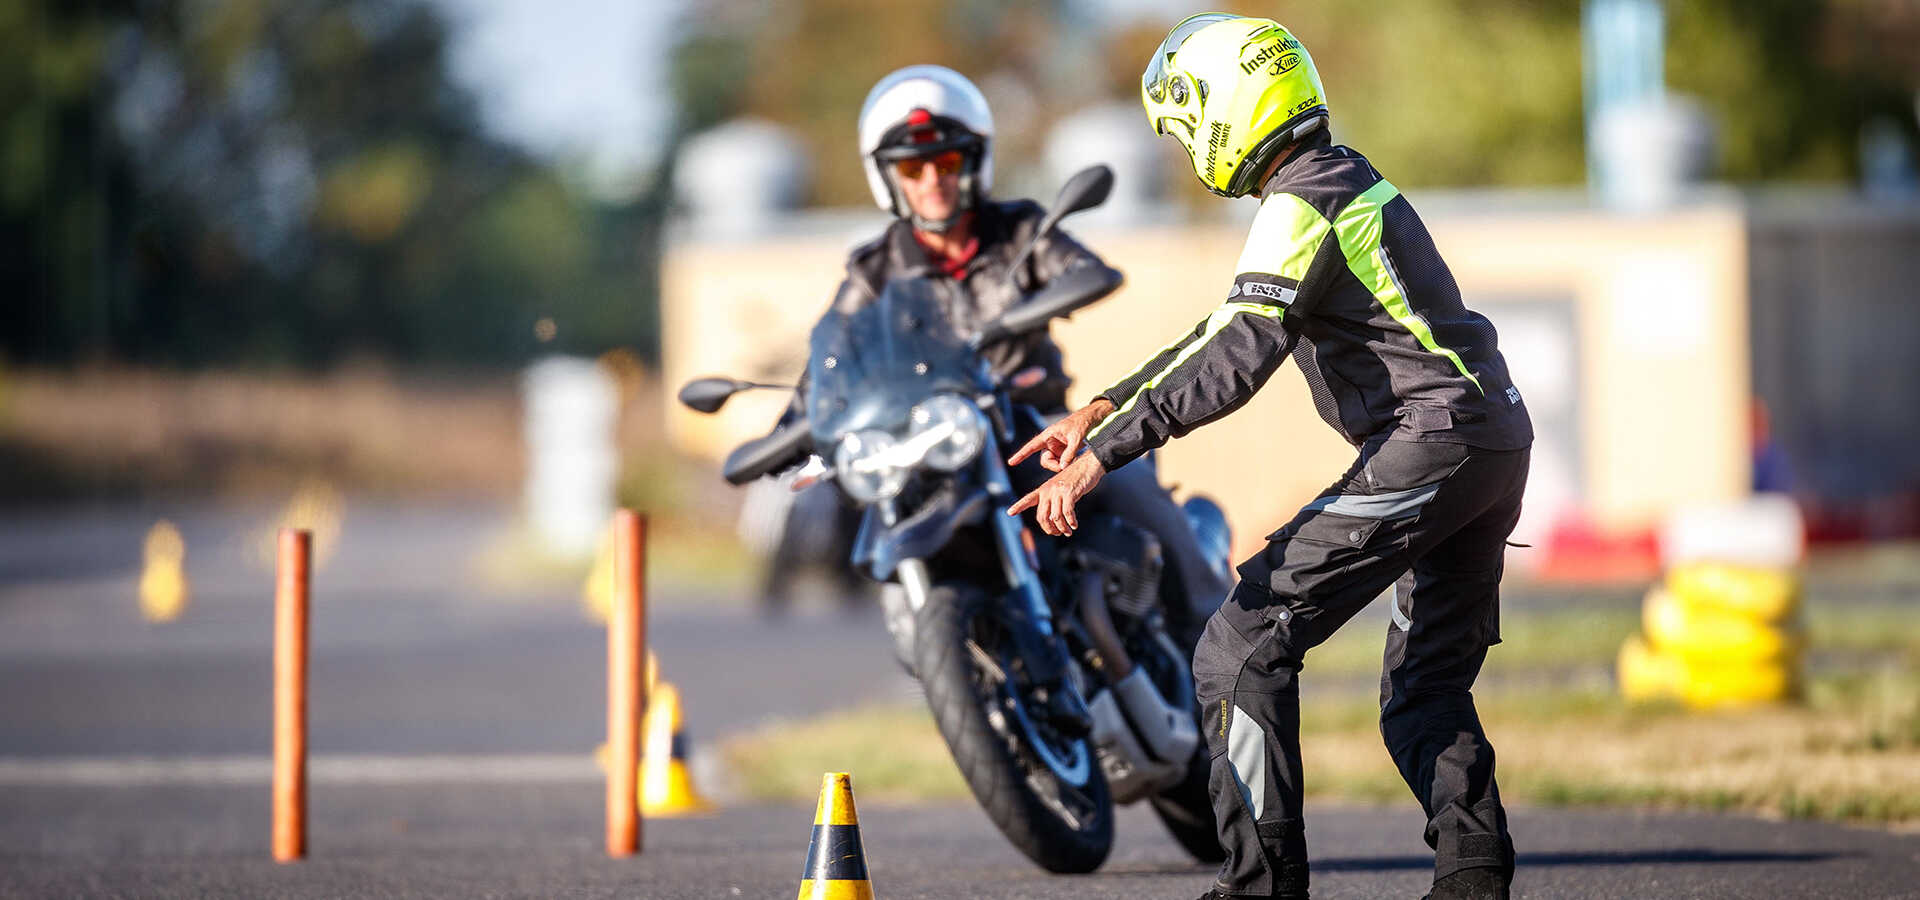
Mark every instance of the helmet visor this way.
pixel 1154 80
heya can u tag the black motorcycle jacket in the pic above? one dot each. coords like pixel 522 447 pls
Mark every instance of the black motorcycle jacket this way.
pixel 980 290
pixel 1340 273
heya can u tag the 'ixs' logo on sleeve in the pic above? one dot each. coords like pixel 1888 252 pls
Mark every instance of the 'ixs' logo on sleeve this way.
pixel 1276 57
pixel 1277 293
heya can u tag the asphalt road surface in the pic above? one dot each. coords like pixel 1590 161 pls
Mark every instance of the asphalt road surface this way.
pixel 543 840
pixel 452 725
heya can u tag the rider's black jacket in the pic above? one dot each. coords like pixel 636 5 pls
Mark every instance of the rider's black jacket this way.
pixel 980 290
pixel 1340 273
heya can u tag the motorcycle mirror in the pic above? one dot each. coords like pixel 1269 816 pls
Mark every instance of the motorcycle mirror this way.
pixel 1087 189
pixel 707 395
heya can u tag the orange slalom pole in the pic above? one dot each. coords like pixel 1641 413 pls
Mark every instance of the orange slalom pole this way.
pixel 626 642
pixel 290 696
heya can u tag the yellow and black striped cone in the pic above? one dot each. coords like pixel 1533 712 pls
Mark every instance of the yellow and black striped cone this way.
pixel 836 865
pixel 666 785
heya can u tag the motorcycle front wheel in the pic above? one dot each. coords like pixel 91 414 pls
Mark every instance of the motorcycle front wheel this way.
pixel 1043 791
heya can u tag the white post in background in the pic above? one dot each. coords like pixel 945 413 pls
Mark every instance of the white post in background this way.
pixel 737 179
pixel 1623 55
pixel 1109 133
pixel 572 463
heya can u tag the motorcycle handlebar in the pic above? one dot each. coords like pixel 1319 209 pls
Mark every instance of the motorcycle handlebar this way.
pixel 1060 298
pixel 766 455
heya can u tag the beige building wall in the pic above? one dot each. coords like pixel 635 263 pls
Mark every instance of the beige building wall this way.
pixel 1656 310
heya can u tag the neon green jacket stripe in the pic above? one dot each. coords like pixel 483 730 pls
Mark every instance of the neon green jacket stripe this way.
pixel 1286 233
pixel 1215 322
pixel 1359 227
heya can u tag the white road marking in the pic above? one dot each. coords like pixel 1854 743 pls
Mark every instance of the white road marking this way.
pixel 340 769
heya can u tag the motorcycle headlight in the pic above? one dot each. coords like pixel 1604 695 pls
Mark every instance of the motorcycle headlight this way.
pixel 868 465
pixel 951 430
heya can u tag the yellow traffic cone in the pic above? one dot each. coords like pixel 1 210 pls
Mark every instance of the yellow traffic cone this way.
pixel 666 787
pixel 836 864
pixel 163 577
pixel 596 593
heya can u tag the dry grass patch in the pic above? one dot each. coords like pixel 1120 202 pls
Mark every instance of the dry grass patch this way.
pixel 1851 753
pixel 894 753
pixel 138 431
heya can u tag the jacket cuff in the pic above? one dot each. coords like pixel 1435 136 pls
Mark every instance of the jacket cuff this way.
pixel 1110 457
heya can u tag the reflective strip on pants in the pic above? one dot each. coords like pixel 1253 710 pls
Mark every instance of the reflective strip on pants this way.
pixel 1247 751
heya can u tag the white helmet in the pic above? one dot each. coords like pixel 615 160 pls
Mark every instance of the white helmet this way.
pixel 918 110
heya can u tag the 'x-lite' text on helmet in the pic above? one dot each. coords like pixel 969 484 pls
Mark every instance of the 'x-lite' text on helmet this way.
pixel 1234 91
pixel 921 111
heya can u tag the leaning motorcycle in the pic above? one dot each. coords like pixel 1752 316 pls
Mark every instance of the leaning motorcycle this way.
pixel 905 416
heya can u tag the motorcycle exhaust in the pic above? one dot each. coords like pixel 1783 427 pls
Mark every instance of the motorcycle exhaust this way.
pixel 1100 629
pixel 1143 742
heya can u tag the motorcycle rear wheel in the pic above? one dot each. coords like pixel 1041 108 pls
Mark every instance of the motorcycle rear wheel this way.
pixel 1187 811
pixel 1186 808
pixel 1044 792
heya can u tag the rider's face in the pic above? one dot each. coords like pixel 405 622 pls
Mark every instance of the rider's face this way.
pixel 931 184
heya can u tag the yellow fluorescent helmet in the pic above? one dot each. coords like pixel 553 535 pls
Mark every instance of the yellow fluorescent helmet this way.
pixel 1233 91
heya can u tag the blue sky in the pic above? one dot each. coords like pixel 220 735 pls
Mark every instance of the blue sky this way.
pixel 577 80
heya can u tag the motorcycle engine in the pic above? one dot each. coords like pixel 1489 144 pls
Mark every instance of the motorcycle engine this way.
pixel 1128 557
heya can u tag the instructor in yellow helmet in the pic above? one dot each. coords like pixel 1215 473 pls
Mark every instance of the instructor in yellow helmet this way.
pixel 1339 273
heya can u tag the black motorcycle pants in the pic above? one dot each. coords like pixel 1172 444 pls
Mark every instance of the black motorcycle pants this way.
pixel 1429 521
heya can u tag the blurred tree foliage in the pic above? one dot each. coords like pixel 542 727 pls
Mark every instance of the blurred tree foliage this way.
pixel 808 66
pixel 295 182
pixel 288 182
pixel 1437 92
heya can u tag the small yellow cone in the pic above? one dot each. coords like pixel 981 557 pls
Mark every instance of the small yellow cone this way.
pixel 666 786
pixel 836 863
pixel 596 593
pixel 163 576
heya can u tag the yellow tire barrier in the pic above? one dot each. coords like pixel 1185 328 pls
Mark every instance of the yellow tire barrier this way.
pixel 1708 635
pixel 1768 595
pixel 1711 686
pixel 1647 674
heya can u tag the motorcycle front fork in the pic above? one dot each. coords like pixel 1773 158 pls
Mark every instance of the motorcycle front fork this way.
pixel 1033 632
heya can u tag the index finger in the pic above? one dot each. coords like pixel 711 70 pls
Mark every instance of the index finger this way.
pixel 1038 441
pixel 1024 503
